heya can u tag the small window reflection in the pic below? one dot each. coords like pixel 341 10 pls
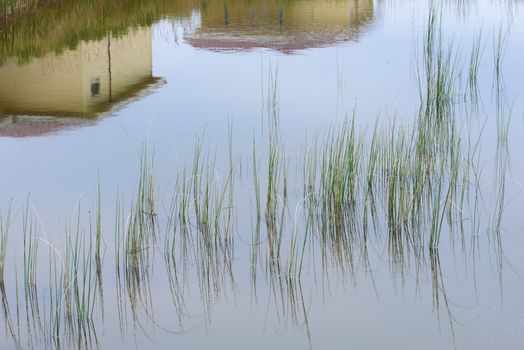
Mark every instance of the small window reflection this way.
pixel 95 87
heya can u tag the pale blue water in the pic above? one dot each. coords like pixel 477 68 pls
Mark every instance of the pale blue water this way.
pixel 373 74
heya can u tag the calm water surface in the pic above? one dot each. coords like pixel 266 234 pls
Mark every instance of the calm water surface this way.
pixel 83 86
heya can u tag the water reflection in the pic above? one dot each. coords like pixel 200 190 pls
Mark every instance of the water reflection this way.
pixel 199 229
pixel 57 64
pixel 286 26
pixel 83 82
pixel 371 203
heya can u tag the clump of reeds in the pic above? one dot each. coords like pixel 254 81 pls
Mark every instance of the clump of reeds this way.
pixel 438 85
pixel 66 308
pixel 31 257
pixel 53 324
pixel 30 246
pixel 140 230
pixel 398 177
pixel 78 280
pixel 135 240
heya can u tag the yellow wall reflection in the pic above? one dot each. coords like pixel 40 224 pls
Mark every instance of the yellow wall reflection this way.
pixel 280 24
pixel 84 81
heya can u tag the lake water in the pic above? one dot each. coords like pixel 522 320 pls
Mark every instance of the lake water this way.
pixel 123 117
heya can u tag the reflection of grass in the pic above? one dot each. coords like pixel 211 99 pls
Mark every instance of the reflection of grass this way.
pixel 499 49
pixel 53 27
pixel 11 326
pixel 6 3
pixel 474 65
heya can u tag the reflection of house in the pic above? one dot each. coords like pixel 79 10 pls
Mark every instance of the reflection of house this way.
pixel 282 25
pixel 21 126
pixel 81 82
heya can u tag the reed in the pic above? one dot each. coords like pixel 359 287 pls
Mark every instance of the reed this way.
pixel 30 243
pixel 56 297
pixel 98 222
pixel 10 326
pixel 474 67
pixel 5 224
pixel 140 233
pixel 200 225
pixel 256 225
pixel 78 281
pixel 499 49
